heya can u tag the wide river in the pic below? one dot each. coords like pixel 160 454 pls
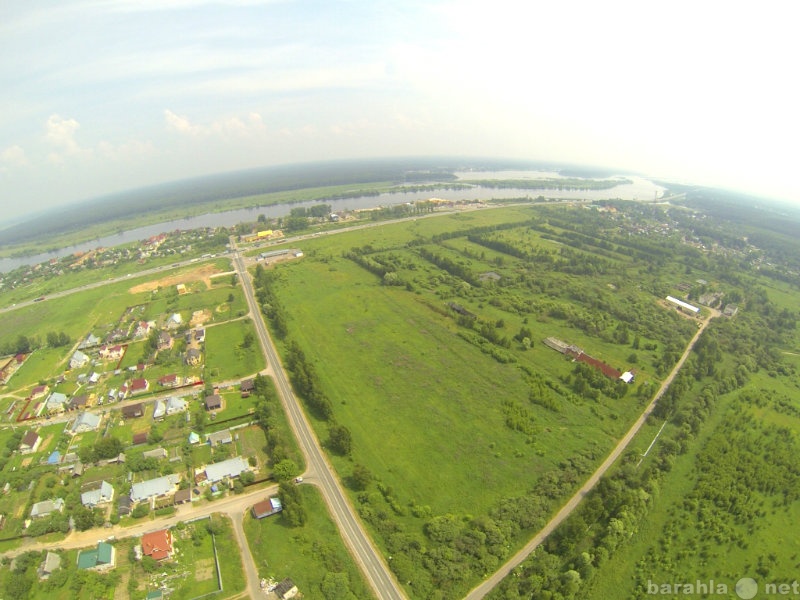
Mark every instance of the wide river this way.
pixel 638 189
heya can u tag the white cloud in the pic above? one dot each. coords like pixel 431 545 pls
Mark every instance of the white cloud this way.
pixel 126 151
pixel 13 156
pixel 165 5
pixel 227 127
pixel 60 134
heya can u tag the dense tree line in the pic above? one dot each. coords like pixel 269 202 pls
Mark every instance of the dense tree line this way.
pixel 458 270
pixel 264 281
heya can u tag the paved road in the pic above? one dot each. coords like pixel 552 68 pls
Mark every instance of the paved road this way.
pixel 319 472
pixel 484 588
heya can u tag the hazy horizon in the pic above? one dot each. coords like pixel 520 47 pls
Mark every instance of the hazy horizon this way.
pixel 108 96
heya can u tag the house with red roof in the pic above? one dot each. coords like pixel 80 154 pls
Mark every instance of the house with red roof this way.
pixel 112 352
pixel 40 391
pixel 139 385
pixel 158 544
pixel 171 380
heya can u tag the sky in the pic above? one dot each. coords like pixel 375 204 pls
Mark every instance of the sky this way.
pixel 99 96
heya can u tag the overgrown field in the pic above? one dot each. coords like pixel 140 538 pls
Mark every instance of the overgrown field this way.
pixel 716 498
pixel 418 348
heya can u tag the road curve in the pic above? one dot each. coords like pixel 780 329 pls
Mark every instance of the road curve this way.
pixel 319 471
pixel 484 588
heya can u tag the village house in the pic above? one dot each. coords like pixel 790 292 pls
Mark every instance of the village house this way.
pixel 159 409
pixel 219 437
pixel 50 564
pixel 176 405
pixel 139 386
pixel 112 352
pixel 102 558
pixel 133 411
pixel 90 341
pixel 103 494
pixel 266 508
pixel 158 453
pixel 213 402
pixel 85 421
pixel 193 357
pixel 47 507
pixel 183 496
pixel 165 341
pixel 158 544
pixel 171 380
pixel 78 360
pixel 154 488
pixel 30 442
pixel 78 402
pixel 227 469
pixel 40 391
pixel 174 321
pixel 56 403
pixel 143 329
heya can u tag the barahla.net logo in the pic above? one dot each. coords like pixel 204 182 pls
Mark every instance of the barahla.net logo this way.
pixel 745 589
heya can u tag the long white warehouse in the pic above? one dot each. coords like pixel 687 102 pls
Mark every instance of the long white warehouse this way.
pixel 683 304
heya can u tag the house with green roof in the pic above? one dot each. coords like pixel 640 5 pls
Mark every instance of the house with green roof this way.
pixel 102 558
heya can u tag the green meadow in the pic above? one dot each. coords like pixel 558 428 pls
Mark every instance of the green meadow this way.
pixel 427 338
pixel 232 351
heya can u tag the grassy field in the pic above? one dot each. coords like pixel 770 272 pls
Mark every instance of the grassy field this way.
pixel 228 355
pixel 312 555
pixel 456 416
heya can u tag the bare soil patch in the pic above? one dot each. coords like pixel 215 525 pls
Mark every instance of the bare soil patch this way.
pixel 199 317
pixel 202 273
pixel 204 569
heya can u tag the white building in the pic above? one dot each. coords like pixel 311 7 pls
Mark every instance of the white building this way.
pixel 153 488
pixel 233 467
pixel 85 422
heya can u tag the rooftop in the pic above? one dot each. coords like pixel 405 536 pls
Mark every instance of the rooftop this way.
pixel 153 487
pixel 233 467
